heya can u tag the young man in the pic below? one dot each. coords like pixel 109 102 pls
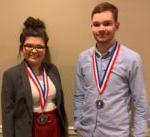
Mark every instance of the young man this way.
pixel 109 77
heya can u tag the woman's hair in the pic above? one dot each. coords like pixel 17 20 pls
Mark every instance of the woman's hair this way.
pixel 35 28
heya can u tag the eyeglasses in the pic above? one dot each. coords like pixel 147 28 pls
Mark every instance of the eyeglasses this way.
pixel 30 47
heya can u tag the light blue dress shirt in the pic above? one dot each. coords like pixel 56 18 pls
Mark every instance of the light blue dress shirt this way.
pixel 125 84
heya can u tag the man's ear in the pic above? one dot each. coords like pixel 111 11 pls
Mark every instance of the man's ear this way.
pixel 91 25
pixel 117 25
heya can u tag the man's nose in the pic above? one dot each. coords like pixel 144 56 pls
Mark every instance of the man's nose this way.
pixel 101 27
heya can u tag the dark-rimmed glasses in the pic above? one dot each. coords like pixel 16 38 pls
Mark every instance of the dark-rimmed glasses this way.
pixel 30 47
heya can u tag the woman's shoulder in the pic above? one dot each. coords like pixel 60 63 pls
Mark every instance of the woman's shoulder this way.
pixel 51 67
pixel 13 69
pixel 13 73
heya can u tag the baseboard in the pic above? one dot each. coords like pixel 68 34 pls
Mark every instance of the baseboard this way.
pixel 0 129
pixel 73 133
pixel 70 130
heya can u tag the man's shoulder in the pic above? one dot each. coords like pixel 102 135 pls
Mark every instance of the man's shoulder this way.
pixel 86 52
pixel 130 56
pixel 128 52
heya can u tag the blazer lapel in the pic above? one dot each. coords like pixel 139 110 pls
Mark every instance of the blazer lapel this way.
pixel 27 88
pixel 53 78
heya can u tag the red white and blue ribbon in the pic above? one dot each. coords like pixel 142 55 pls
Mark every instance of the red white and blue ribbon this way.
pixel 43 90
pixel 101 85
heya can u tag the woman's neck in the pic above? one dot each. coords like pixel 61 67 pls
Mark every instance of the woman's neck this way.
pixel 37 70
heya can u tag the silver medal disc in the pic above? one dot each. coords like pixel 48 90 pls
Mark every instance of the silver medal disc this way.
pixel 42 119
pixel 99 104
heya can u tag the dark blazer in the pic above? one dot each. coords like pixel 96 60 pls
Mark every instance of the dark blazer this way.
pixel 17 102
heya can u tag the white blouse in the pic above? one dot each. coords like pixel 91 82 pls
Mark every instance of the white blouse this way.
pixel 50 105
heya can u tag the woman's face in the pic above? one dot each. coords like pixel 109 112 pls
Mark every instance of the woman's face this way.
pixel 34 50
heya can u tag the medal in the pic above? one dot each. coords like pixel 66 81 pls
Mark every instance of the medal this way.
pixel 42 89
pixel 99 104
pixel 101 83
pixel 42 119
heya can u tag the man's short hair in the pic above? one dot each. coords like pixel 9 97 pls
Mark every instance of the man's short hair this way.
pixel 106 6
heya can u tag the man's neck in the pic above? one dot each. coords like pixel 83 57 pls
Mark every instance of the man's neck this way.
pixel 104 47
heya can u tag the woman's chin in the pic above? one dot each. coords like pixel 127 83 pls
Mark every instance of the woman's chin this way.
pixel 34 62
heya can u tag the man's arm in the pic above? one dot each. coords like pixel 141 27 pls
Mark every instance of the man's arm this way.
pixel 78 95
pixel 138 90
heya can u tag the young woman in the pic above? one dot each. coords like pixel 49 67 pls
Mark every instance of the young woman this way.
pixel 32 96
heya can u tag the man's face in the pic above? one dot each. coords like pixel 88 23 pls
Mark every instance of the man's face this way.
pixel 104 27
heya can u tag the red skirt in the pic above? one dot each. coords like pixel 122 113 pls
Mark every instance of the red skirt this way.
pixel 46 124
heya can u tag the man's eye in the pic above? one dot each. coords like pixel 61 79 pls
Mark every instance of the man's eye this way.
pixel 96 24
pixel 107 23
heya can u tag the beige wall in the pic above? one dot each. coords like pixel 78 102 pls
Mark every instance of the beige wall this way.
pixel 68 25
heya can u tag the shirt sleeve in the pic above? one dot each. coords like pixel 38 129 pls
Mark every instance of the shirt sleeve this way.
pixel 138 91
pixel 78 95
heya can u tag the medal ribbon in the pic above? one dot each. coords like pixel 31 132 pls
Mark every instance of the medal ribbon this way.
pixel 43 92
pixel 101 85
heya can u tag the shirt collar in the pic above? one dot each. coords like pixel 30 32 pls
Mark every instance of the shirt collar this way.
pixel 105 55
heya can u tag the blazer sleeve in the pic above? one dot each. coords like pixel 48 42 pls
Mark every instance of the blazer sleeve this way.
pixel 60 103
pixel 8 104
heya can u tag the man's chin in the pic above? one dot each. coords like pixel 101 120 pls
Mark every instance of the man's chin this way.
pixel 102 41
